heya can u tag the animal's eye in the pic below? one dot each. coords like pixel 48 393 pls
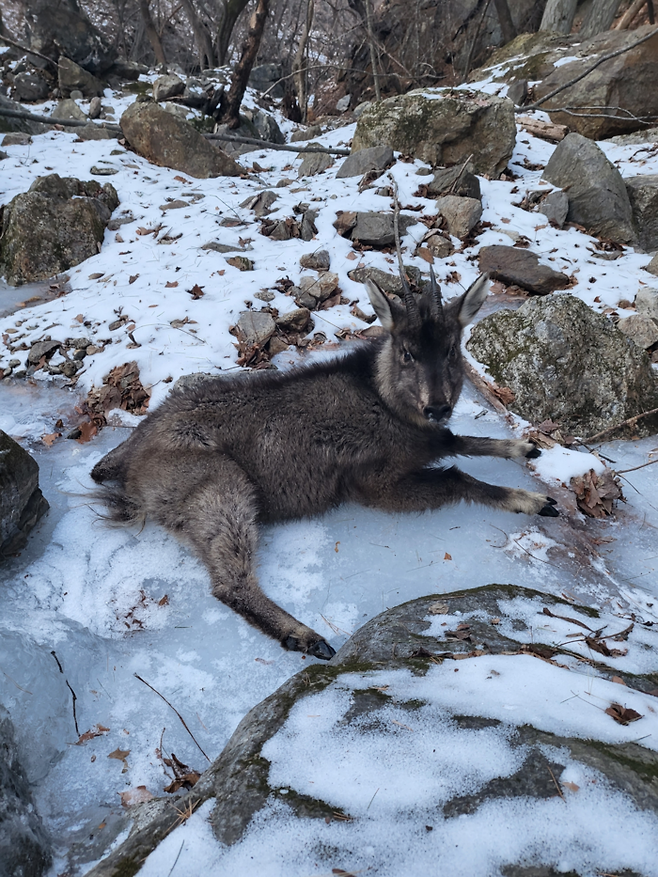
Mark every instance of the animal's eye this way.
pixel 407 357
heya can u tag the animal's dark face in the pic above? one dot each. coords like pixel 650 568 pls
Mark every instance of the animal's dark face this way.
pixel 420 369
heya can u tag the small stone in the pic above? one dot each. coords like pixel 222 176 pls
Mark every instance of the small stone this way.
pixel 14 363
pixel 461 214
pixel 318 261
pixel 304 299
pixel 16 138
pixel 652 267
pixel 255 327
pixel 94 107
pixel 520 267
pixel 42 348
pixel 103 171
pixel 320 287
pixel 343 104
pixel 166 87
pixel 241 263
pixel 264 295
pixel 79 354
pixel 555 207
pixel 76 94
pixel 294 321
pixel 458 180
pixel 314 163
pixel 641 329
pixel 439 246
pixel 374 158
pixel 646 302
pixel 174 205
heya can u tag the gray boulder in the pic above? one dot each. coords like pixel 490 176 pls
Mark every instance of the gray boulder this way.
pixel 555 207
pixel 646 302
pixel 24 847
pixel 643 195
pixel 64 29
pixel 166 87
pixel 9 124
pixel 370 228
pixel 373 695
pixel 565 363
pixel 598 199
pixel 57 224
pixel 641 329
pixel 443 128
pixel 520 267
pixel 456 180
pixel 30 86
pixel 72 77
pixel 374 158
pixel 652 267
pixel 21 500
pixel 315 163
pixel 68 109
pixel 263 77
pixel 170 142
pixel 460 215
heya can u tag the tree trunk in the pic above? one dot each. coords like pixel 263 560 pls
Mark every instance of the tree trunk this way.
pixel 241 74
pixel 599 18
pixel 559 15
pixel 505 18
pixel 299 63
pixel 152 32
pixel 64 28
pixel 202 36
pixel 373 54
pixel 229 14
pixel 627 18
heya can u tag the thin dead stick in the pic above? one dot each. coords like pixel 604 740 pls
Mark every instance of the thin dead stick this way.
pixel 49 120
pixel 284 147
pixel 586 72
pixel 631 421
pixel 559 790
pixel 635 468
pixel 16 45
pixel 627 115
pixel 176 711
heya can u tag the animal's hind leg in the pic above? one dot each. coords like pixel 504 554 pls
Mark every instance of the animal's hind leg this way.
pixel 221 525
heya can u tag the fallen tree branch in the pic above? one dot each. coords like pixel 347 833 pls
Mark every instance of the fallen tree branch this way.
pixel 148 685
pixel 284 147
pixel 627 115
pixel 16 45
pixel 49 120
pixel 631 421
pixel 78 123
pixel 585 73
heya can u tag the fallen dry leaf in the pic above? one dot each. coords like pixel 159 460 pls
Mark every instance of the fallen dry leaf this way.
pixel 622 715
pixel 49 439
pixel 618 680
pixel 196 291
pixel 170 284
pixel 571 786
pixel 447 556
pixel 133 278
pixel 87 431
pixel 138 795
pixel 96 731
pixel 595 494
pixel 119 754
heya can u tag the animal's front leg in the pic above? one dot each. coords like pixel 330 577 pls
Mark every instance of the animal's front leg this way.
pixel 475 446
pixel 434 488
pixel 222 527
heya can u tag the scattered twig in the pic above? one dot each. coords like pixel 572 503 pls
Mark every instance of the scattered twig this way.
pixel 49 120
pixel 557 785
pixel 631 421
pixel 635 468
pixel 585 73
pixel 176 859
pixel 547 611
pixel 73 694
pixel 137 676
pixel 6 39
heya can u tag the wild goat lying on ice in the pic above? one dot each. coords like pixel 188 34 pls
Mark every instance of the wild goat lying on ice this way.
pixel 214 461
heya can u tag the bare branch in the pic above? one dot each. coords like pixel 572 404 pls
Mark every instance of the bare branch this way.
pixel 10 42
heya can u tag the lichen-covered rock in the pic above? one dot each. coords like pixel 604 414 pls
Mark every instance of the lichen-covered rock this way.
pixel 24 847
pixel 170 142
pixel 460 214
pixel 598 199
pixel 641 329
pixel 57 224
pixel 643 194
pixel 166 87
pixel 565 363
pixel 314 163
pixel 443 128
pixel 21 500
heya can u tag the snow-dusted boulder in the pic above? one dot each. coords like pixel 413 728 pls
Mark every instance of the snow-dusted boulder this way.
pixel 448 719
pixel 21 500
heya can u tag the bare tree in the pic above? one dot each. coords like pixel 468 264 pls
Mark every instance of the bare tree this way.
pixel 300 63
pixel 599 17
pixel 152 32
pixel 231 113
pixel 227 14
pixel 505 18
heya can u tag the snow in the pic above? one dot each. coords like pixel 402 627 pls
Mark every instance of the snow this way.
pixel 95 596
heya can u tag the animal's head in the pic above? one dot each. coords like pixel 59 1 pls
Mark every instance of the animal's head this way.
pixel 419 368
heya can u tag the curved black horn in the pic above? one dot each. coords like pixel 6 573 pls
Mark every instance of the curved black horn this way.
pixel 410 303
pixel 435 292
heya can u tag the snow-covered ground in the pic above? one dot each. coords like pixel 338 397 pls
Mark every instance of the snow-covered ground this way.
pixel 90 609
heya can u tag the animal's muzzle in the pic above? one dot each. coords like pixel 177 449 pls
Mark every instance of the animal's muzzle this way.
pixel 437 413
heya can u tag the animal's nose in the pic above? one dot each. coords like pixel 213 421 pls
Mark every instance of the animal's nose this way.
pixel 436 413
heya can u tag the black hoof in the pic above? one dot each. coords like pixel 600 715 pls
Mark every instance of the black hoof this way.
pixel 549 510
pixel 322 650
pixel 535 452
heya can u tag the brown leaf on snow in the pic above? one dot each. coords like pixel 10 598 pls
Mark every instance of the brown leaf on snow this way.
pixel 87 431
pixel 505 395
pixel 600 646
pixel 133 278
pixel 49 439
pixel 596 494
pixel 119 754
pixel 122 388
pixel 618 680
pixel 138 795
pixel 622 715
pixel 184 777
pixel 171 284
pixel 196 291
pixel 571 786
pixel 96 731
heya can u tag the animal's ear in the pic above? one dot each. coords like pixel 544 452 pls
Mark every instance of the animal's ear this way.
pixel 472 300
pixel 383 307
